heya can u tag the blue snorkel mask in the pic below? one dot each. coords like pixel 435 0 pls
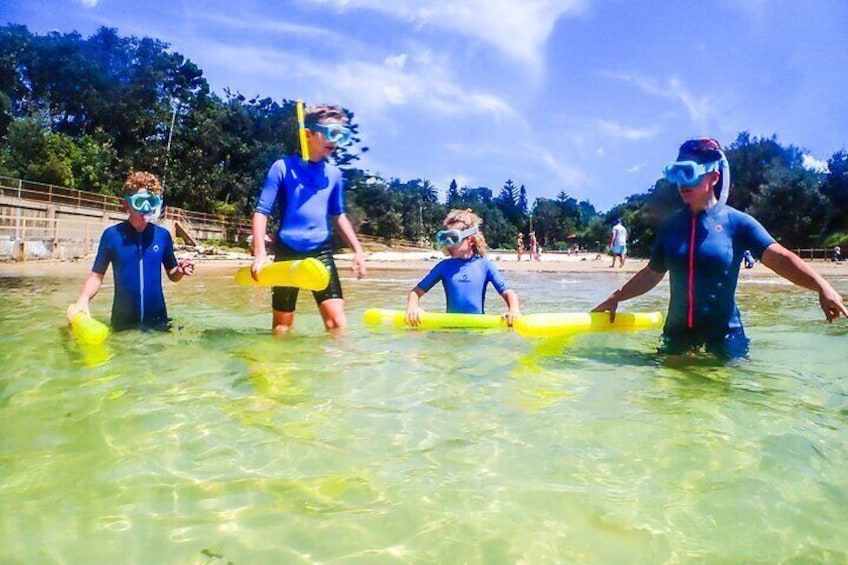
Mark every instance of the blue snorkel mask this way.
pixel 148 205
pixel 446 238
pixel 688 173
pixel 334 133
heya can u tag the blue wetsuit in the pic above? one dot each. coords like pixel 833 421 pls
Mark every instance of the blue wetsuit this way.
pixel 703 254
pixel 137 259
pixel 465 282
pixel 304 194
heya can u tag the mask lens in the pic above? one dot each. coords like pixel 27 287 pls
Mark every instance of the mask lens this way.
pixel 142 203
pixel 334 133
pixel 684 173
pixel 446 238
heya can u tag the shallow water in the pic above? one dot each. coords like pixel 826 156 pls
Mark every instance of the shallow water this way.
pixel 218 443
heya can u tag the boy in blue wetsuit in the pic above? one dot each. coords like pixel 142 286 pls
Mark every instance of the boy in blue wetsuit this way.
pixel 465 274
pixel 306 194
pixel 702 246
pixel 136 249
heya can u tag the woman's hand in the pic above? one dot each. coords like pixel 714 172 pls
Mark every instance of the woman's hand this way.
pixel 609 305
pixel 831 304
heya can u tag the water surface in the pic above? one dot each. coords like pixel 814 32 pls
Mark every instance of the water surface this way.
pixel 219 443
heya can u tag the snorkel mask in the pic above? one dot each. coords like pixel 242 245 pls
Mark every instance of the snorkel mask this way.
pixel 334 133
pixel 447 238
pixel 686 173
pixel 148 205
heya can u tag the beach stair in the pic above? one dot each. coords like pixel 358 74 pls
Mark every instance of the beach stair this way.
pixel 182 231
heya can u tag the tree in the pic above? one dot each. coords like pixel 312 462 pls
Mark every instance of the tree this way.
pixel 791 206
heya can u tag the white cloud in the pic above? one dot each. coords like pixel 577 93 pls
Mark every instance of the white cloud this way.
pixel 518 28
pixel 89 3
pixel 811 163
pixel 699 108
pixel 632 134
pixel 633 170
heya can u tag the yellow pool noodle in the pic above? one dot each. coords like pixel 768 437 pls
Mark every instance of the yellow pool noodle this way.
pixel 308 274
pixel 87 330
pixel 433 320
pixel 548 325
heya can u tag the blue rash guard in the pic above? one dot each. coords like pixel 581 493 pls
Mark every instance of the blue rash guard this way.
pixel 137 259
pixel 703 254
pixel 465 282
pixel 304 193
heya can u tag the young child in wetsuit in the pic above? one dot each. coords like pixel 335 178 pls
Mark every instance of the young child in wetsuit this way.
pixel 137 249
pixel 465 274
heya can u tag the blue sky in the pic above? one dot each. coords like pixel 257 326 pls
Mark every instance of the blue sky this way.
pixel 590 97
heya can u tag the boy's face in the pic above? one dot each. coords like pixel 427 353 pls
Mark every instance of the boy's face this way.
pixel 144 205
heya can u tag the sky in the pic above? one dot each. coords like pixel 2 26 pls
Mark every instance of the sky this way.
pixel 589 97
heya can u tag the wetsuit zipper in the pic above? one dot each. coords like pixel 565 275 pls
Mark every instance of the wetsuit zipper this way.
pixel 141 277
pixel 690 315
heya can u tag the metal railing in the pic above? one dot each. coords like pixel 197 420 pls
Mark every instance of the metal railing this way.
pixel 236 228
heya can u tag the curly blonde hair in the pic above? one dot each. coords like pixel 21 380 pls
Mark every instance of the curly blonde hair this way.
pixel 464 219
pixel 142 180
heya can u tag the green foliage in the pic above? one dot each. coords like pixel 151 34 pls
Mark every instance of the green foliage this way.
pixel 83 112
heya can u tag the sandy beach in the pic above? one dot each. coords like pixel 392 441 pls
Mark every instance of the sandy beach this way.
pixel 420 261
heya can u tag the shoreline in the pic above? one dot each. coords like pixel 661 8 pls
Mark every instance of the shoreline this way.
pixel 419 261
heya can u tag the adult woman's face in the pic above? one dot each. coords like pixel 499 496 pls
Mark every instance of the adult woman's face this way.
pixel 698 196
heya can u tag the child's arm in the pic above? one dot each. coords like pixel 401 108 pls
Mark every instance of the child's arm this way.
pixel 413 311
pixel 344 226
pixel 513 311
pixel 258 226
pixel 89 289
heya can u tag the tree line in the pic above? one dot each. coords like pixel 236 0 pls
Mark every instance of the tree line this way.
pixel 82 112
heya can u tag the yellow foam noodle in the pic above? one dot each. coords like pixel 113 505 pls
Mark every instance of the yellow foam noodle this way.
pixel 308 274
pixel 301 130
pixel 549 325
pixel 87 330
pixel 433 320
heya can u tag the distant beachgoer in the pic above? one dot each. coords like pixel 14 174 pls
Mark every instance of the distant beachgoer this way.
pixel 748 259
pixel 520 244
pixel 137 249
pixel 618 243
pixel 465 274
pixel 533 248
pixel 837 254
pixel 701 246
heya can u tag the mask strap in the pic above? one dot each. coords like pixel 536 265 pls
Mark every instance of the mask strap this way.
pixel 724 167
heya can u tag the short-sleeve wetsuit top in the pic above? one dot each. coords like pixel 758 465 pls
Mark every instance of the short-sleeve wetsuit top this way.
pixel 465 282
pixel 305 194
pixel 703 254
pixel 137 259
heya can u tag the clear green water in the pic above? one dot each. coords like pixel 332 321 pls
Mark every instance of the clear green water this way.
pixel 221 444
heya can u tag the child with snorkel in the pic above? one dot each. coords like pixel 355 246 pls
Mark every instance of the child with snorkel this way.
pixel 137 249
pixel 307 194
pixel 465 274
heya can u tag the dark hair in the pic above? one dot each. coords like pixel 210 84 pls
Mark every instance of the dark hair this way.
pixel 703 150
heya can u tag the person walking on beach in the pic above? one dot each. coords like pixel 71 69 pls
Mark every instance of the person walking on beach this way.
pixel 306 195
pixel 534 247
pixel 702 246
pixel 520 245
pixel 137 249
pixel 465 274
pixel 618 243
